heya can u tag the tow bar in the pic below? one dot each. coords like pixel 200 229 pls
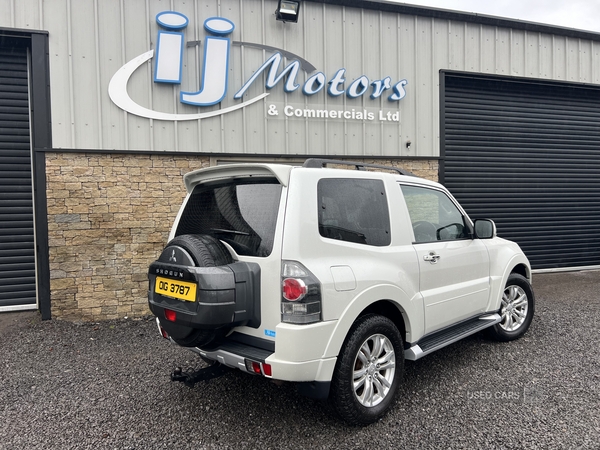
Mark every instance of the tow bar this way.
pixel 207 373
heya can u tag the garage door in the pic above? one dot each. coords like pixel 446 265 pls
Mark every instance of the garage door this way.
pixel 527 155
pixel 17 257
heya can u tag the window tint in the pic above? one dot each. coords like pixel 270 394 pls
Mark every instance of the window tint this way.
pixel 241 213
pixel 354 211
pixel 433 215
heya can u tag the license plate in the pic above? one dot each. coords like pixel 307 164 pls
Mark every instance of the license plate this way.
pixel 181 290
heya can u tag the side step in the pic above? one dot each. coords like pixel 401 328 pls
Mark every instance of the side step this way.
pixel 447 336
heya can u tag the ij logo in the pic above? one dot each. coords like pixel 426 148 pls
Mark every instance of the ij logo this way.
pixel 168 66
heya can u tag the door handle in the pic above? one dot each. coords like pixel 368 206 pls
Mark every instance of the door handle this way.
pixel 432 257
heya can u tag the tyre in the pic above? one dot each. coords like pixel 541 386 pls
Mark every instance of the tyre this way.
pixel 368 371
pixel 516 310
pixel 204 251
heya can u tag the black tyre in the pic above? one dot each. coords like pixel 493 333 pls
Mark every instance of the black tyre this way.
pixel 204 251
pixel 368 371
pixel 517 310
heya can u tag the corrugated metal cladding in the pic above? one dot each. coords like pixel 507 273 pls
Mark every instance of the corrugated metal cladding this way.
pixel 91 39
pixel 527 155
pixel 17 257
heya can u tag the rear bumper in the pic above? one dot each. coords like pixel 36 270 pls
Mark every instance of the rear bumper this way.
pixel 302 362
pixel 236 355
pixel 305 374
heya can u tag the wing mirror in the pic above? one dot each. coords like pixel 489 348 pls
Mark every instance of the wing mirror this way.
pixel 485 229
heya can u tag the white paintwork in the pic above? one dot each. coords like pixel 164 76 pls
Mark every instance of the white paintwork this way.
pixel 279 171
pixel 457 287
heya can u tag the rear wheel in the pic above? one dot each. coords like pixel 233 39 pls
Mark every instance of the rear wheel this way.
pixel 516 311
pixel 201 251
pixel 368 371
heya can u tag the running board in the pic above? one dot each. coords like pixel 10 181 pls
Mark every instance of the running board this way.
pixel 447 336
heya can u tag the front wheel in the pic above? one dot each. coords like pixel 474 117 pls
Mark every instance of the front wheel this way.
pixel 368 371
pixel 516 310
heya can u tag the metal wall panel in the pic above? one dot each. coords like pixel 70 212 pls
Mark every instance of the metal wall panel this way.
pixel 91 39
pixel 63 127
pixel 112 127
pixel 526 155
pixel 560 69
pixel 335 49
pixel 407 66
pixel 17 252
pixel 84 74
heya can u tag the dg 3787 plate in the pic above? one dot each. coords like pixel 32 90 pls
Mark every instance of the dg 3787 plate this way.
pixel 181 290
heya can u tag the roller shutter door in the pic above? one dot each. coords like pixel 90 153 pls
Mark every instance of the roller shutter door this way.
pixel 17 252
pixel 527 155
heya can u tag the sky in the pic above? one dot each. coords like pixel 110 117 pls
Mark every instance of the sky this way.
pixel 580 14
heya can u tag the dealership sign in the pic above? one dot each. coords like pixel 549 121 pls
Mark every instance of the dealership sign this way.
pixel 168 64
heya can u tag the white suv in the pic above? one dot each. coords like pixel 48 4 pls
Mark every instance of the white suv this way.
pixel 331 278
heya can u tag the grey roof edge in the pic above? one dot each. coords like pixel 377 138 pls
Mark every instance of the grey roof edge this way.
pixel 20 32
pixel 446 14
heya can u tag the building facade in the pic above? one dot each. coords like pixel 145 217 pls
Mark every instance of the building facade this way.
pixel 105 104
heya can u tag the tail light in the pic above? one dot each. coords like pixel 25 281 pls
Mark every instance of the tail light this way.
pixel 170 315
pixel 300 294
pixel 294 289
pixel 258 368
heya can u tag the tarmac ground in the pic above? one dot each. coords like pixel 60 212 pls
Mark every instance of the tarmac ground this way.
pixel 106 386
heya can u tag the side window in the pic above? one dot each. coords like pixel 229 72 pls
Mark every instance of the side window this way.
pixel 433 215
pixel 354 210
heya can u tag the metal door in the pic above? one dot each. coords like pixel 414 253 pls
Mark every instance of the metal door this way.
pixel 17 247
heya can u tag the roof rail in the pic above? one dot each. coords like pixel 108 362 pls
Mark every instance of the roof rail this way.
pixel 317 163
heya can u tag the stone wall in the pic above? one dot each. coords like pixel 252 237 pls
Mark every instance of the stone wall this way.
pixel 109 216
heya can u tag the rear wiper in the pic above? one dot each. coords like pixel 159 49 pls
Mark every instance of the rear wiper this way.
pixel 239 233
pixel 343 234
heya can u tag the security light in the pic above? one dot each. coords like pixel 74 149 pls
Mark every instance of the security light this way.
pixel 287 11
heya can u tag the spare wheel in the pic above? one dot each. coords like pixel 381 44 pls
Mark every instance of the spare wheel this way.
pixel 195 250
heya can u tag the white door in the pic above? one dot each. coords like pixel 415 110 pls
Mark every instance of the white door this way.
pixel 454 269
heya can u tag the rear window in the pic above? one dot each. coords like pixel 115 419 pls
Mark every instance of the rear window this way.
pixel 354 210
pixel 242 213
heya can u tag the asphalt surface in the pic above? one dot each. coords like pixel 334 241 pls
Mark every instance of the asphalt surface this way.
pixel 106 386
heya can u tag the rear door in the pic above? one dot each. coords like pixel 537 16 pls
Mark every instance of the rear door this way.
pixel 454 269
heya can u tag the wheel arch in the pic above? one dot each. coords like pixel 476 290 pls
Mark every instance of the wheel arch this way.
pixel 522 269
pixel 388 301
pixel 519 265
pixel 391 310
